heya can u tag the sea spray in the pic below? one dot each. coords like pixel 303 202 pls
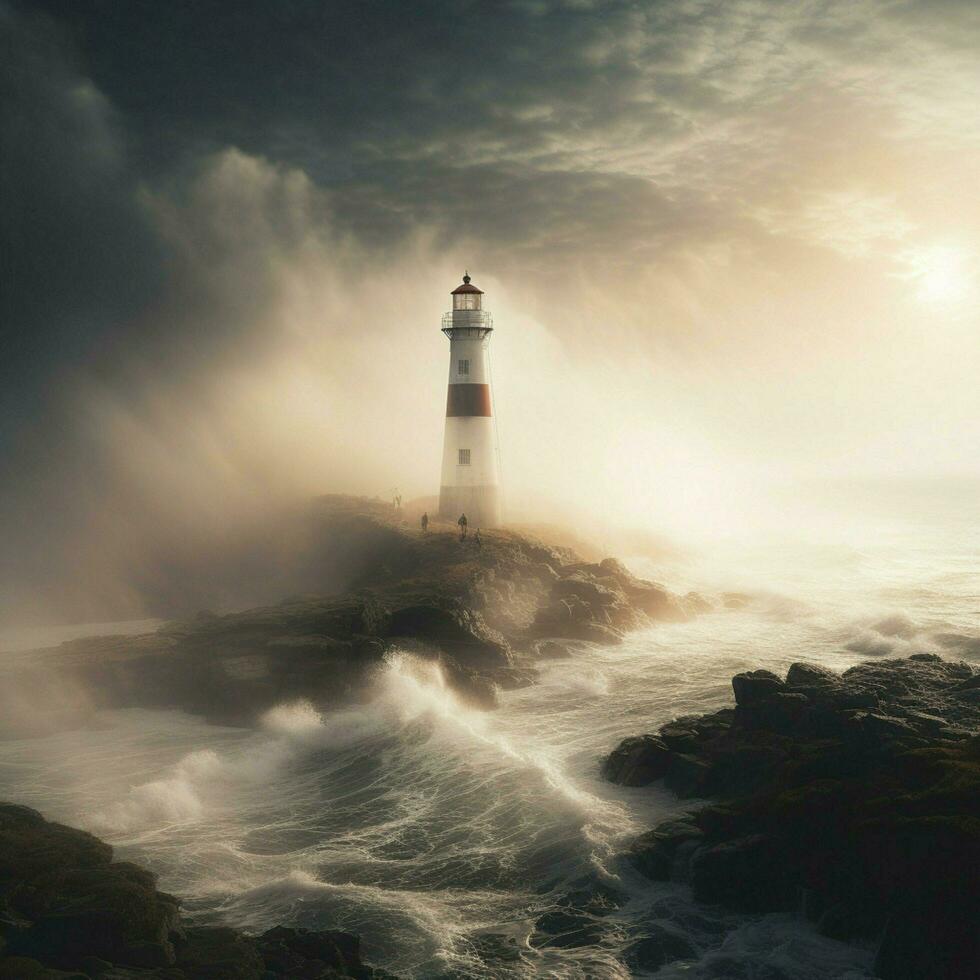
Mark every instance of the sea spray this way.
pixel 443 834
pixel 176 798
pixel 295 718
pixel 415 687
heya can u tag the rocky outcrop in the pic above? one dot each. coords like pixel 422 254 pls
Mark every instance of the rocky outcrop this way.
pixel 600 602
pixel 67 910
pixel 480 610
pixel 853 798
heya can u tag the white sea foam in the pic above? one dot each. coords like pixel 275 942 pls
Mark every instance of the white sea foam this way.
pixel 177 798
pixel 414 687
pixel 296 718
pixel 428 825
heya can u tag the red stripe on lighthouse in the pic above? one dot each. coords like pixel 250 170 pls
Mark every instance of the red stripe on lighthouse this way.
pixel 468 399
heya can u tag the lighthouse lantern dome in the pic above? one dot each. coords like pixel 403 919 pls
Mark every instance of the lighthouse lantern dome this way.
pixel 467 296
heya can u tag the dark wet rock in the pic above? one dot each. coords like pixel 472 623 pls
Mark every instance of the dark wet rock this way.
pixel 68 910
pixel 220 954
pixel 781 711
pixel 483 608
pixel 113 912
pixel 67 899
pixel 854 797
pixel 679 736
pixel 21 859
pixel 754 686
pixel 660 947
pixel 637 761
pixel 301 952
pixel 661 854
pixel 459 631
pixel 811 676
pixel 687 774
pixel 747 874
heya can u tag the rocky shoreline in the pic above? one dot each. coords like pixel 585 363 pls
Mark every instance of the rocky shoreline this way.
pixel 68 911
pixel 484 612
pixel 852 799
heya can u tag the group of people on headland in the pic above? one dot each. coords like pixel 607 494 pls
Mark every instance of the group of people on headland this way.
pixel 463 525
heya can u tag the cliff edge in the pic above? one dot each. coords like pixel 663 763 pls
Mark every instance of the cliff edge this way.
pixel 485 610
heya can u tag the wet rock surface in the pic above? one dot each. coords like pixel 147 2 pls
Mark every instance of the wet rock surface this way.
pixel 68 910
pixel 853 798
pixel 484 611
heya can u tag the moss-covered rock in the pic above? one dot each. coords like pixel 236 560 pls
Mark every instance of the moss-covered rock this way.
pixel 855 797
pixel 69 911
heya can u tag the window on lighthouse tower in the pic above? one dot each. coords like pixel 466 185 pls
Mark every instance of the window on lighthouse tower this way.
pixel 464 367
pixel 466 301
pixel 464 457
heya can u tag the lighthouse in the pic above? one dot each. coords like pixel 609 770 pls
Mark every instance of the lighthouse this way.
pixel 470 475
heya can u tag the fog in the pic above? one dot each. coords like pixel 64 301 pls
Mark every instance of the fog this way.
pixel 688 332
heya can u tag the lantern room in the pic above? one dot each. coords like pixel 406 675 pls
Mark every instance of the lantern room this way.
pixel 467 296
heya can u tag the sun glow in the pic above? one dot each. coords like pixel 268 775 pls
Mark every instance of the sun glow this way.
pixel 942 274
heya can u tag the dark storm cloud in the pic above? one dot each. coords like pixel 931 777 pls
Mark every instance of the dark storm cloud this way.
pixel 412 110
pixel 458 114
pixel 298 77
pixel 467 118
pixel 180 178
pixel 584 135
pixel 78 260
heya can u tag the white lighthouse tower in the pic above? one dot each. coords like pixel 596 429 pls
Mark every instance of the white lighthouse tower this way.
pixel 470 474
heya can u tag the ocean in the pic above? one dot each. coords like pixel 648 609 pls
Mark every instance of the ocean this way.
pixel 441 833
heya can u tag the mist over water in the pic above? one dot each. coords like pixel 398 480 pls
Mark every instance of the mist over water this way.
pixel 726 247
pixel 440 833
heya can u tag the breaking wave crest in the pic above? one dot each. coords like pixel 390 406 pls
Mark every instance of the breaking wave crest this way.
pixel 445 835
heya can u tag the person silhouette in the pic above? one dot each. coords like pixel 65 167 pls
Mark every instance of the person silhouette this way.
pixel 462 522
pixel 425 522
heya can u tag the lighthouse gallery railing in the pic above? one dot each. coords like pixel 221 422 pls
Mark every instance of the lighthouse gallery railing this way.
pixel 479 319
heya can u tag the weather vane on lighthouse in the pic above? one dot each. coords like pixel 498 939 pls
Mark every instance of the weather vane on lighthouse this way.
pixel 470 474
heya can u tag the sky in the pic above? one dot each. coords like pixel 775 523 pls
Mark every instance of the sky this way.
pixel 728 246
